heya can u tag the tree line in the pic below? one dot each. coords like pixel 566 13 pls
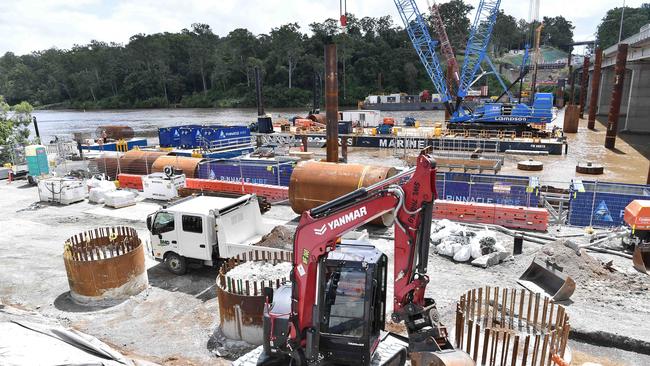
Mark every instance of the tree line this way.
pixel 197 68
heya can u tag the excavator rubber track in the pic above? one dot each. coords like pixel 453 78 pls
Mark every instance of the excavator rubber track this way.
pixel 392 351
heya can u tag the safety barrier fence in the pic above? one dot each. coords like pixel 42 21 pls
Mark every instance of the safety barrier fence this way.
pixel 576 203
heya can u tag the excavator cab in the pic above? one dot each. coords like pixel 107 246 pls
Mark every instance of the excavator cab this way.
pixel 352 303
pixel 351 310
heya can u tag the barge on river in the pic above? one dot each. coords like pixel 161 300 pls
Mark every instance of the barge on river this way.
pixel 455 142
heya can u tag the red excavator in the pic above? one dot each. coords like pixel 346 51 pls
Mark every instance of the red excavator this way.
pixel 333 310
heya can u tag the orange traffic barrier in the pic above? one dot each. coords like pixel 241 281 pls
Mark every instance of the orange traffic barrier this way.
pixel 132 181
pixel 517 217
pixel 271 193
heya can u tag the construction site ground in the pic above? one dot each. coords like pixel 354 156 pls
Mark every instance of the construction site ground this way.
pixel 171 322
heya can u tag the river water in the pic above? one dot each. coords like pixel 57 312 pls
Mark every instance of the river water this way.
pixel 628 163
pixel 145 122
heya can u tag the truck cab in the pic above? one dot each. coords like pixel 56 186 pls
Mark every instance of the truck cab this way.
pixel 204 229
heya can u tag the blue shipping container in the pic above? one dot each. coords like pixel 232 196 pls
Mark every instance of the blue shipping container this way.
pixel 169 136
pixel 194 136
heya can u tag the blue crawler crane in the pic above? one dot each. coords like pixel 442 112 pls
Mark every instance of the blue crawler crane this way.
pixel 507 115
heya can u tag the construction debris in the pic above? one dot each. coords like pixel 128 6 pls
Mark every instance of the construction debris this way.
pixel 580 266
pixel 281 237
pixel 260 271
pixel 462 244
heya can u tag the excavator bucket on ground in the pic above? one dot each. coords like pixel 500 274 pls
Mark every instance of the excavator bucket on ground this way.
pixel 547 278
pixel 641 258
pixel 442 358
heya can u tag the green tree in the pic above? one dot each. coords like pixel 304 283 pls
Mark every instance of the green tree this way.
pixel 634 18
pixel 287 45
pixel 557 32
pixel 14 128
pixel 505 34
pixel 455 16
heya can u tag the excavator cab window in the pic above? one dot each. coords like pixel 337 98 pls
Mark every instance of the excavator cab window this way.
pixel 345 298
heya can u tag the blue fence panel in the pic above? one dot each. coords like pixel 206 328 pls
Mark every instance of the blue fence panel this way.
pixel 273 173
pixel 603 204
pixel 484 188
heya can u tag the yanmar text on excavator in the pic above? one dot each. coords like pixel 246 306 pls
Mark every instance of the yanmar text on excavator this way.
pixel 332 312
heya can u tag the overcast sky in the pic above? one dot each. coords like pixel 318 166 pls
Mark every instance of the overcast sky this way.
pixel 28 25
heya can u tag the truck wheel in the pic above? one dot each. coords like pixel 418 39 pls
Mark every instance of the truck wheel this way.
pixel 176 264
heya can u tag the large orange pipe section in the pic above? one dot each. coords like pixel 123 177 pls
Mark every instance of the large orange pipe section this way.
pixel 188 165
pixel 314 183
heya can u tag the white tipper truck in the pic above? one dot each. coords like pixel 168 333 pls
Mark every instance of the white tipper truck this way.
pixel 204 229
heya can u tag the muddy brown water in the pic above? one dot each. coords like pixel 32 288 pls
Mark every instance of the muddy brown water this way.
pixel 628 163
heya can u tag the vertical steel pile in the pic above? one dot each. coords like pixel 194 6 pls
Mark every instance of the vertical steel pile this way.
pixel 241 303
pixel 511 327
pixel 583 86
pixel 571 80
pixel 617 95
pixel 258 93
pixel 332 103
pixel 105 264
pixel 595 89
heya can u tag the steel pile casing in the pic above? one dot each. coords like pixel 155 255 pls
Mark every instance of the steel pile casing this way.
pixel 188 165
pixel 511 327
pixel 115 132
pixel 137 162
pixel 105 264
pixel 241 303
pixel 314 183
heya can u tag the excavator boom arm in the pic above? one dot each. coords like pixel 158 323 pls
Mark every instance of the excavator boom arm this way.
pixel 320 228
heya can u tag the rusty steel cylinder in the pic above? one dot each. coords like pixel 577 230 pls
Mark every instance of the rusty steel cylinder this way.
pixel 115 132
pixel 188 165
pixel 617 95
pixel 314 183
pixel 139 162
pixel 583 85
pixel 105 264
pixel 595 89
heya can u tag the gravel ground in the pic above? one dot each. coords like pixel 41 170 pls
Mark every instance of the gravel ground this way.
pixel 171 322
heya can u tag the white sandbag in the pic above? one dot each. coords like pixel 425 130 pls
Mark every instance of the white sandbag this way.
pixel 445 249
pixel 463 254
pixel 119 199
pixel 475 249
pixel 456 247
pixel 98 194
pixel 444 229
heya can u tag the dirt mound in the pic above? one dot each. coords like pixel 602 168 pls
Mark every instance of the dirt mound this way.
pixel 281 237
pixel 581 267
